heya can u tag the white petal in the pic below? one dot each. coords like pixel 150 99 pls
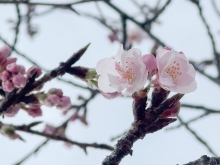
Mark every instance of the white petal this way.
pixel 106 65
pixel 104 84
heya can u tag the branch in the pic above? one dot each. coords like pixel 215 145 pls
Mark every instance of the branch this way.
pixel 197 137
pixel 17 96
pixel 216 54
pixel 205 160
pixel 145 121
pixel 136 22
pixel 60 138
pixel 157 14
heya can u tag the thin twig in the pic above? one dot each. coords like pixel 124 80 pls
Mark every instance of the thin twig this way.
pixel 157 14
pixel 16 28
pixel 216 54
pixel 190 121
pixel 196 136
pixel 136 22
pixel 214 5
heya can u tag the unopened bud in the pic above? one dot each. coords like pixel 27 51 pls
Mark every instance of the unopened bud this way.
pixel 158 96
pixel 171 112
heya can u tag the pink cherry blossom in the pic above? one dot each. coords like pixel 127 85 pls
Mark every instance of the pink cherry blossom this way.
pixel 22 70
pixel 55 91
pixel 174 71
pixel 52 100
pixel 8 86
pixel 150 63
pixel 64 103
pixel 13 68
pixel 33 70
pixel 10 61
pixel 110 95
pixel 19 80
pixel 113 37
pixel 34 110
pixel 49 129
pixel 13 110
pixel 126 71
pixel 4 52
pixel 136 35
pixel 5 75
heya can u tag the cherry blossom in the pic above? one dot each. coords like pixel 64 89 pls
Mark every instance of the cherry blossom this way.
pixel 175 73
pixel 125 72
pixel 55 98
pixel 34 110
pixel 12 111
pixel 33 70
pixel 136 34
pixel 172 112
pixel 150 63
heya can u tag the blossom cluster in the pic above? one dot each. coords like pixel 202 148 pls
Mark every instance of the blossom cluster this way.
pixel 128 72
pixel 14 77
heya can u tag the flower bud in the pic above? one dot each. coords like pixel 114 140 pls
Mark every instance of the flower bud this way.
pixel 33 70
pixel 19 81
pixel 171 112
pixel 13 110
pixel 5 75
pixel 4 52
pixel 13 68
pixel 8 86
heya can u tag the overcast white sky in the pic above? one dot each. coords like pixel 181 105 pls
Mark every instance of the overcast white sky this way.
pixel 61 33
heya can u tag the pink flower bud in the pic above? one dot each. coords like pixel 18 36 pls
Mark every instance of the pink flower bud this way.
pixel 5 75
pixel 113 37
pixel 35 110
pixel 13 110
pixel 49 129
pixel 33 70
pixel 52 100
pixel 55 91
pixel 19 80
pixel 150 63
pixel 8 86
pixel 10 61
pixel 172 112
pixel 4 52
pixel 21 70
pixel 13 68
pixel 64 104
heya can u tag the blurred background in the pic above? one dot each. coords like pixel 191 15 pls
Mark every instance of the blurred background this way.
pixel 50 31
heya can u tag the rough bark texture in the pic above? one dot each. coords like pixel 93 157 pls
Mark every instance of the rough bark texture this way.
pixel 205 160
pixel 145 121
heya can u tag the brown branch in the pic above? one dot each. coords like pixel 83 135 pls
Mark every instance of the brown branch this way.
pixel 205 160
pixel 145 121
pixel 17 96
pixel 136 22
pixel 25 2
pixel 216 54
pixel 157 14
pixel 60 138
pixel 16 28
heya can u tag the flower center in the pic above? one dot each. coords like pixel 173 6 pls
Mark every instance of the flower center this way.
pixel 174 71
pixel 127 74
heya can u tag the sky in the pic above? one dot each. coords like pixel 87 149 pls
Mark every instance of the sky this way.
pixel 61 33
